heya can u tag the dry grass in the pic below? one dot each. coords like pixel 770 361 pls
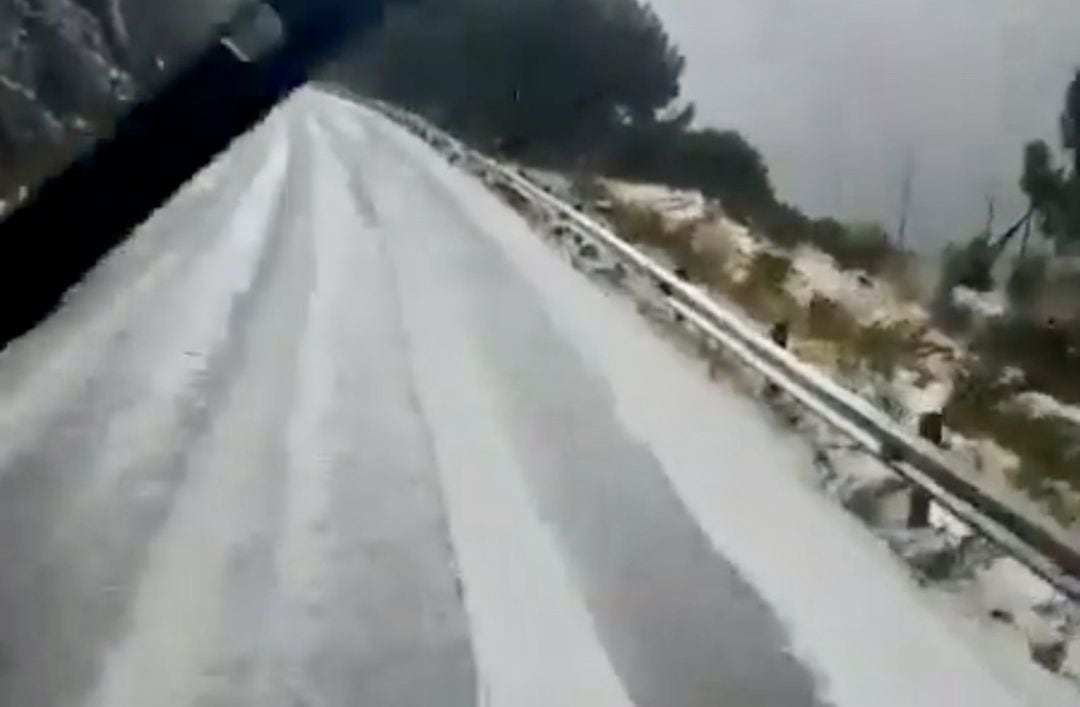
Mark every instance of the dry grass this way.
pixel 1048 354
pixel 701 262
pixel 1048 447
pixel 761 291
pixel 878 348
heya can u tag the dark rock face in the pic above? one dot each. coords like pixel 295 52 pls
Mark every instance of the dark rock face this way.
pixel 69 67
pixel 59 84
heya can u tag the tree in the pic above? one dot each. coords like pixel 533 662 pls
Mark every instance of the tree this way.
pixel 589 83
pixel 1070 122
pixel 718 163
pixel 1041 182
pixel 546 75
pixel 1026 282
pixel 1053 194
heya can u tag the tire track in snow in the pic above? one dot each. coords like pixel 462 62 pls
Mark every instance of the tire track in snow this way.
pixel 78 513
pixel 175 610
pixel 368 609
pixel 41 373
pixel 665 605
pixel 248 438
pixel 532 635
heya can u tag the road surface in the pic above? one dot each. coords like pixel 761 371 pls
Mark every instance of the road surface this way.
pixel 333 428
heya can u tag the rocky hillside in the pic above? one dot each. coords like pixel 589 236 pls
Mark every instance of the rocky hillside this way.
pixel 67 67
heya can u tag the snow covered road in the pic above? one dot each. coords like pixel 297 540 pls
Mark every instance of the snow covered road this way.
pixel 334 429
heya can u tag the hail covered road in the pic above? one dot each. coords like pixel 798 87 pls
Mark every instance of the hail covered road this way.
pixel 333 428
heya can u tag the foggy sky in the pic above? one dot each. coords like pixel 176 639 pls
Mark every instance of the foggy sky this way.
pixel 845 96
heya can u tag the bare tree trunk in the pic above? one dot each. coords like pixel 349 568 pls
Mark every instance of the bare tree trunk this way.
pixel 905 202
pixel 998 246
pixel 1027 233
pixel 990 213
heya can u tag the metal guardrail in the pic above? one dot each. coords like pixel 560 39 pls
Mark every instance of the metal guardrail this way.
pixel 1044 550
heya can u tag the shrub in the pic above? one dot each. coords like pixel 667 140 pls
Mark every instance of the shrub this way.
pixel 1044 350
pixel 1027 282
pixel 1046 446
pixel 783 224
pixel 969 266
pixel 901 272
pixel 883 347
pixel 646 227
pixel 856 247
pixel 638 225
pixel 718 164
pixel 827 320
pixel 770 270
pixel 761 291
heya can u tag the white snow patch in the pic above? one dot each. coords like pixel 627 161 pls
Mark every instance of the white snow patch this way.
pixel 944 520
pixel 675 206
pixel 1044 405
pixel 987 305
pixel 868 299
pixel 1009 585
pixel 929 397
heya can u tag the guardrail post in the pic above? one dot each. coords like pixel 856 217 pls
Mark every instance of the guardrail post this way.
pixel 780 334
pixel 931 428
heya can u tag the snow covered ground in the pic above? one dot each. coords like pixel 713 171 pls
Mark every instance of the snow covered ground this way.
pixel 336 428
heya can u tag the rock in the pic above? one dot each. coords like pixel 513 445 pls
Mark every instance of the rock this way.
pixel 930 553
pixel 1071 664
pixel 864 497
pixel 68 67
pixel 1009 585
pixel 1049 652
pixel 615 273
pixel 860 482
pixel 589 251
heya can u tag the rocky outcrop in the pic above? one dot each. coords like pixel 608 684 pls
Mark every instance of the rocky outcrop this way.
pixel 59 84
pixel 69 67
